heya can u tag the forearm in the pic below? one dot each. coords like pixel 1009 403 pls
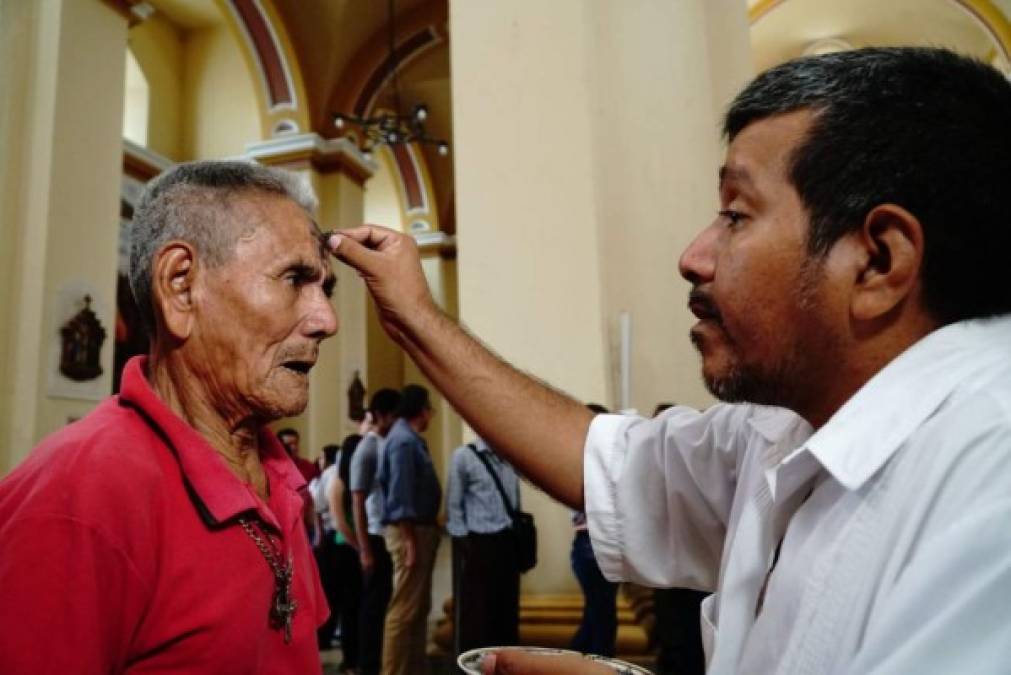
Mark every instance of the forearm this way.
pixel 537 428
pixel 540 430
pixel 340 517
pixel 361 526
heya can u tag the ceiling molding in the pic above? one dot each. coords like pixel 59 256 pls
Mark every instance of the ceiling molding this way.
pixel 325 155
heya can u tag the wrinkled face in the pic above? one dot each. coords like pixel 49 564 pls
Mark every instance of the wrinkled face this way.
pixel 262 314
pixel 765 328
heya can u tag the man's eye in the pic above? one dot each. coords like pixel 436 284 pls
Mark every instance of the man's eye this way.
pixel 734 218
pixel 293 279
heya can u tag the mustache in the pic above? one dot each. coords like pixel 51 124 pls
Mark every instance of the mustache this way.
pixel 309 354
pixel 703 306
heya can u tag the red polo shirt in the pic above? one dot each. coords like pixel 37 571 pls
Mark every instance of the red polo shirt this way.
pixel 120 551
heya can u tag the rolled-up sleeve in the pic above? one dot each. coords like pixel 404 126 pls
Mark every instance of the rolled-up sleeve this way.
pixel 658 493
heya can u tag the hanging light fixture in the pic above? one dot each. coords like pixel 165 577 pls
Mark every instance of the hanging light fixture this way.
pixel 392 128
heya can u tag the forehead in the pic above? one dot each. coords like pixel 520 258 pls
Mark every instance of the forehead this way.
pixel 760 154
pixel 276 227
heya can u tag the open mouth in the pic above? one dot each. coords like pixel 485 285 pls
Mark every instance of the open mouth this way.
pixel 300 367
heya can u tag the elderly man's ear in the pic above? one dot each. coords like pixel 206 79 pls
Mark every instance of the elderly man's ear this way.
pixel 172 281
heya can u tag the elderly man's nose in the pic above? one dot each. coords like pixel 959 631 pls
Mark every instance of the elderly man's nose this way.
pixel 322 322
pixel 697 261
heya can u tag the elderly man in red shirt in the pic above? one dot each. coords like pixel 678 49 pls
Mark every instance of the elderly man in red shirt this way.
pixel 162 532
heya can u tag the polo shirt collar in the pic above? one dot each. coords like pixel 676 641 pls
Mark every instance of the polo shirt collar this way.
pixel 222 495
pixel 402 426
pixel 876 421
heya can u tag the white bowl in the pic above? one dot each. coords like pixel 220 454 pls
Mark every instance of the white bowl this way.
pixel 471 661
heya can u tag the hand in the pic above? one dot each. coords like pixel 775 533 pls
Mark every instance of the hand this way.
pixel 366 560
pixel 410 553
pixel 508 662
pixel 390 264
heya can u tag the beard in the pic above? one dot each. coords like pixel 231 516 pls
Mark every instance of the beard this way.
pixel 784 381
pixel 768 384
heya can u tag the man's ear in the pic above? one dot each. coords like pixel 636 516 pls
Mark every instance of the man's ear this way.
pixel 891 243
pixel 172 287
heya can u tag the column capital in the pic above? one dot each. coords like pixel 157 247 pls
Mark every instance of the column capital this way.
pixel 325 155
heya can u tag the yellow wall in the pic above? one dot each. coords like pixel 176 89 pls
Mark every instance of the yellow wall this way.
pixel 64 222
pixel 382 199
pixel 220 109
pixel 656 148
pixel 157 45
pixel 17 33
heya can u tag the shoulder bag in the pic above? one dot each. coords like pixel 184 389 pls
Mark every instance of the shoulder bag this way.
pixel 523 529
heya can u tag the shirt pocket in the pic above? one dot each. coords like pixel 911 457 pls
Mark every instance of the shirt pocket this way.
pixel 706 613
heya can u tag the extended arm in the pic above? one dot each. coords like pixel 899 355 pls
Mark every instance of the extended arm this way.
pixel 340 515
pixel 539 429
pixel 361 530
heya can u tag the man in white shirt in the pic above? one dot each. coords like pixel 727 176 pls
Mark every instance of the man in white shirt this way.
pixel 850 511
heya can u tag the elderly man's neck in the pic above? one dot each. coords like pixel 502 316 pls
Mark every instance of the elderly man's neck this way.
pixel 234 435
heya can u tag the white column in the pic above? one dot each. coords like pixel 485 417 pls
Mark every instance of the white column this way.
pixel 586 147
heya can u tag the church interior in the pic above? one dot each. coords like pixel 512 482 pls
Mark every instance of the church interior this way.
pixel 569 152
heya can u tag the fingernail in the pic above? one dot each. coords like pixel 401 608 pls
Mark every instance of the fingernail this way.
pixel 488 663
pixel 335 241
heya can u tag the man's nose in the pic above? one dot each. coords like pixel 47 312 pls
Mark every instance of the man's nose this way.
pixel 697 262
pixel 322 320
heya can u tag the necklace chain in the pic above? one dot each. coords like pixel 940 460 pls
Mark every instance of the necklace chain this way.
pixel 282 606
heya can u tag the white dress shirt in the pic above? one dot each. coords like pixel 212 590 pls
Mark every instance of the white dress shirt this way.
pixel 895 517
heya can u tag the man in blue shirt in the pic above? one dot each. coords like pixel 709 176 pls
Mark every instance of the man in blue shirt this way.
pixel 486 578
pixel 411 494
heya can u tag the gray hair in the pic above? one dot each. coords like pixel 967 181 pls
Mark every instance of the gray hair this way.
pixel 192 202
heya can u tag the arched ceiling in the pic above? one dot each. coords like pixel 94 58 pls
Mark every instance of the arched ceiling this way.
pixel 340 44
pixel 784 29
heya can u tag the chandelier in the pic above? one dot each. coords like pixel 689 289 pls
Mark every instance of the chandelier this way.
pixel 391 128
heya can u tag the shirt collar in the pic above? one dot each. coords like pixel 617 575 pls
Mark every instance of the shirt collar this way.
pixel 402 426
pixel 874 423
pixel 220 492
pixel 784 468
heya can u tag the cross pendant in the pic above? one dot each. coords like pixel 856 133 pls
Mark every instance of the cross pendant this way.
pixel 282 610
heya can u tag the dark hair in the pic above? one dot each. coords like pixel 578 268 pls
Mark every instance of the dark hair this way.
pixel 413 401
pixel 384 402
pixel 330 454
pixel 660 407
pixel 287 431
pixel 922 128
pixel 597 408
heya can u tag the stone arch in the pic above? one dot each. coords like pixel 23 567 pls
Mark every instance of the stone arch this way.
pixel 420 30
pixel 268 52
